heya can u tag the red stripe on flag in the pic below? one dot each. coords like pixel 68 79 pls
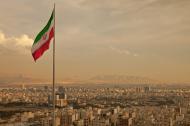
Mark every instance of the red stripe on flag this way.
pixel 39 52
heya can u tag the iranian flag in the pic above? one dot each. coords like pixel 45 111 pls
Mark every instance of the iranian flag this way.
pixel 42 40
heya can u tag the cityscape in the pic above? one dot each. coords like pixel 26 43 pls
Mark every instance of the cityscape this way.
pixel 95 63
pixel 96 105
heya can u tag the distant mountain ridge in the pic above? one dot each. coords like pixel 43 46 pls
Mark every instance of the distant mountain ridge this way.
pixel 123 79
pixel 18 79
pixel 100 79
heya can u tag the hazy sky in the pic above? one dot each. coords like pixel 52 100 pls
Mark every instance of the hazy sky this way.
pixel 148 38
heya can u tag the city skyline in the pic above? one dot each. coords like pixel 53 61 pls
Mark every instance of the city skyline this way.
pixel 104 105
pixel 148 38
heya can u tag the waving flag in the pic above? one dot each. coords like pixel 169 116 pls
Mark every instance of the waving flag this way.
pixel 42 40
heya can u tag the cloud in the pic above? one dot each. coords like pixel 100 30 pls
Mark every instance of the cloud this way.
pixel 123 51
pixel 19 44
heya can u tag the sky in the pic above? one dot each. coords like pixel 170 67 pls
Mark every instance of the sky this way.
pixel 149 38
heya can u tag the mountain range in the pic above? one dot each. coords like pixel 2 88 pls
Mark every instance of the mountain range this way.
pixel 100 79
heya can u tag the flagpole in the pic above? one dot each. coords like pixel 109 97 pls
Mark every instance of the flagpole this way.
pixel 54 123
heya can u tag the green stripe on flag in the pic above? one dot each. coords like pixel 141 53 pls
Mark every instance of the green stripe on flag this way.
pixel 45 29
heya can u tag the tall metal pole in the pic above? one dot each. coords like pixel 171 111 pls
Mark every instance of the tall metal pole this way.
pixel 54 123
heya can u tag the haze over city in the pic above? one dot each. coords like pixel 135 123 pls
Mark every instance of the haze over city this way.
pixel 95 63
pixel 147 38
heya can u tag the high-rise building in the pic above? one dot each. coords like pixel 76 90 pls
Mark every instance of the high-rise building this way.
pixel 147 89
pixel 60 100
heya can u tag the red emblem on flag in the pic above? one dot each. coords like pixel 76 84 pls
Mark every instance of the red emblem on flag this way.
pixel 45 36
